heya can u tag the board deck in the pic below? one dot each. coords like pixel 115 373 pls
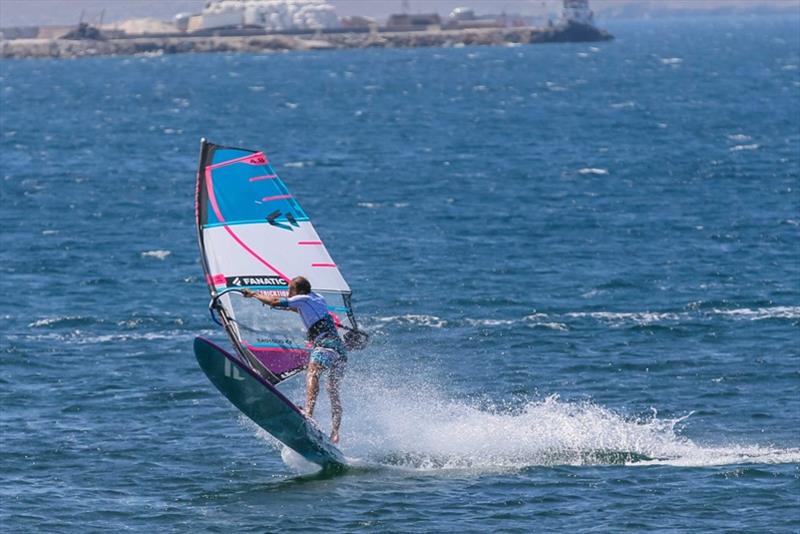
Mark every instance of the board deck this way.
pixel 266 406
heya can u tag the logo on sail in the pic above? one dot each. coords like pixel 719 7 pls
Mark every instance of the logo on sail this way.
pixel 255 280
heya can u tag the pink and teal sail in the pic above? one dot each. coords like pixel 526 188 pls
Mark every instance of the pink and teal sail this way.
pixel 253 234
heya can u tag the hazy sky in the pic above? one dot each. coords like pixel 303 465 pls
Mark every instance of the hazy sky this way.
pixel 46 12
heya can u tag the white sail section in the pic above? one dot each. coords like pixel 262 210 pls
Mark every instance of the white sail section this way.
pixel 271 253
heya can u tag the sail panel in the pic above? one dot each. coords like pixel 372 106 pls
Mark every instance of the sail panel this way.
pixel 248 252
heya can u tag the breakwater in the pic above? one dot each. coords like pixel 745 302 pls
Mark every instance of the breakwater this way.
pixel 65 48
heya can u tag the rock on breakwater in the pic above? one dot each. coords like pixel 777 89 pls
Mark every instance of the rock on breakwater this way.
pixel 59 48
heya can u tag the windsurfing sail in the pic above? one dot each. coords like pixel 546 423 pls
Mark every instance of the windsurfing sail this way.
pixel 253 234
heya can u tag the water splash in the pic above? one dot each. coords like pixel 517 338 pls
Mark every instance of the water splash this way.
pixel 398 422
pixel 419 428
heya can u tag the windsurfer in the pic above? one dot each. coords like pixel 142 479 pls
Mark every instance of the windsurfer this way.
pixel 328 351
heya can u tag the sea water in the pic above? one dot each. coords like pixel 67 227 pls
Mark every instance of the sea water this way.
pixel 579 264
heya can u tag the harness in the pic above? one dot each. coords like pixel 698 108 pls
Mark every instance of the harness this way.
pixel 325 327
pixel 323 335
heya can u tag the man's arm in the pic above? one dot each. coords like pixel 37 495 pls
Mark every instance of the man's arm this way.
pixel 269 300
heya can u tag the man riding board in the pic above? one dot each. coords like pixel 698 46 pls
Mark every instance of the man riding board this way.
pixel 328 351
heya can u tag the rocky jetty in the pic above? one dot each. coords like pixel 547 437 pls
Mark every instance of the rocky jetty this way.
pixel 179 44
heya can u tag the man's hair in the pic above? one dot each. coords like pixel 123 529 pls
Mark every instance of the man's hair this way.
pixel 302 285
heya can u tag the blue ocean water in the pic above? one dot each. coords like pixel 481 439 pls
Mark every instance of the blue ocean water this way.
pixel 580 264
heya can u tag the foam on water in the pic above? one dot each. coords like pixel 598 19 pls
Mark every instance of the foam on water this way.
pixel 417 427
pixel 775 312
pixel 297 463
pixel 562 321
pixel 635 317
pixel 157 254
pixel 593 170
pixel 739 148
pixel 415 319
pixel 59 321
pixel 423 430
pixel 85 337
pixel 551 326
pixel 489 322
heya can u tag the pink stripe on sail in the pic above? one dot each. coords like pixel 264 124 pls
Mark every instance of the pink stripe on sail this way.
pixel 323 265
pixel 263 177
pixel 213 199
pixel 276 197
pixel 309 242
pixel 252 159
pixel 218 279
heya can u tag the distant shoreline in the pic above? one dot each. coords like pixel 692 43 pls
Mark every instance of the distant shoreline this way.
pixel 67 49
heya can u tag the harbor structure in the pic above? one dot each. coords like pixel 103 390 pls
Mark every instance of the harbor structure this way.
pixel 272 25
pixel 271 15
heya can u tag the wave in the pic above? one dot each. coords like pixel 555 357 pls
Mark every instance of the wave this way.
pixel 298 164
pixel 61 321
pixel 85 337
pixel 563 321
pixel 759 314
pixel 157 254
pixel 623 105
pixel 593 170
pixel 413 319
pixel 82 330
pixel 640 318
pixel 489 322
pixel 739 148
pixel 80 337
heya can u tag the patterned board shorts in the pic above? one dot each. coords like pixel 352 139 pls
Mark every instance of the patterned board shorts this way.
pixel 329 353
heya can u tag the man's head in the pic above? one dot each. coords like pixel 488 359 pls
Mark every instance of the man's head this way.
pixel 299 286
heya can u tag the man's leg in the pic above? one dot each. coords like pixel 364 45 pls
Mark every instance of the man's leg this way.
pixel 334 381
pixel 312 387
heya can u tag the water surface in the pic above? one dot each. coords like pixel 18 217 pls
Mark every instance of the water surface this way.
pixel 579 264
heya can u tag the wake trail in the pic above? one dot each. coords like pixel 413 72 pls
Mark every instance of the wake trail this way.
pixel 404 420
pixel 431 433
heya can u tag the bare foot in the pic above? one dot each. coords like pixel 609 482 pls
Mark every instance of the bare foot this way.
pixel 335 437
